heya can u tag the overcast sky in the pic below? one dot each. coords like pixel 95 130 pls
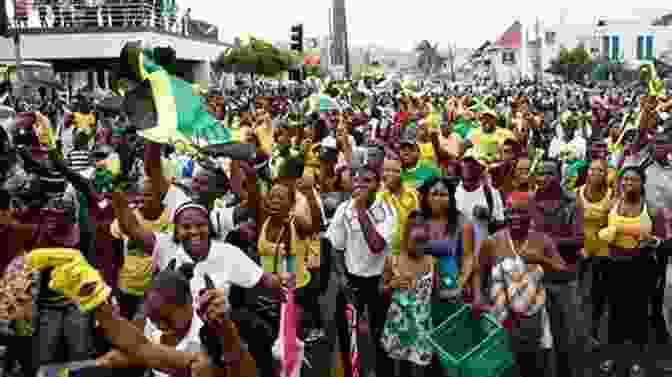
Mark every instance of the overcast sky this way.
pixel 401 24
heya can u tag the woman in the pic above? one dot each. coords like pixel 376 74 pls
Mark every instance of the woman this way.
pixel 450 236
pixel 516 259
pixel 191 340
pixel 628 224
pixel 596 197
pixel 408 280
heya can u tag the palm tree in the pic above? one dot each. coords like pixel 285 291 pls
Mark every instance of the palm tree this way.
pixel 429 59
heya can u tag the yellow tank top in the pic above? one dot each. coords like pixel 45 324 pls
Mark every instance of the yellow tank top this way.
pixel 84 122
pixel 596 217
pixel 626 241
pixel 294 262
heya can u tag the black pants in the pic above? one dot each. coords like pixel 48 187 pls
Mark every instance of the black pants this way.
pixel 308 298
pixel 657 295
pixel 599 292
pixel 367 295
pixel 532 363
pixel 629 294
pixel 19 349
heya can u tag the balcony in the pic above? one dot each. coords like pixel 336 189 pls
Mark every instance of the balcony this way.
pixel 128 17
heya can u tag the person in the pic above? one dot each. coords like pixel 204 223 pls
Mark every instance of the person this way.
pixel 628 224
pixel 362 229
pixel 186 20
pixel 658 200
pixel 477 199
pixel 401 198
pixel 518 258
pixel 408 281
pixel 189 333
pixel 596 197
pixel 560 216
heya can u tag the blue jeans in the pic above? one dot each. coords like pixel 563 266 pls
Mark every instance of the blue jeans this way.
pixel 63 334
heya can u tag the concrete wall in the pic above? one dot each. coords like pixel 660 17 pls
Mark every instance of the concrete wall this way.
pixel 48 46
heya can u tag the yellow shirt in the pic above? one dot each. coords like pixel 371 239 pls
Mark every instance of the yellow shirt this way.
pixel 136 273
pixel 427 151
pixel 265 135
pixel 84 122
pixel 406 202
pixel 596 217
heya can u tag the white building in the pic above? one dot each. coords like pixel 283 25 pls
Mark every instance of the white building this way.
pixel 633 41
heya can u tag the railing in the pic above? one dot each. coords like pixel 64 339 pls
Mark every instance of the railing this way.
pixel 77 17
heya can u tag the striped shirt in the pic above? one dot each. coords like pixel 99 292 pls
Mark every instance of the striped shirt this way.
pixel 79 160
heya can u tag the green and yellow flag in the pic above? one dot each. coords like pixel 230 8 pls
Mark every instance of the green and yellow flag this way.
pixel 179 111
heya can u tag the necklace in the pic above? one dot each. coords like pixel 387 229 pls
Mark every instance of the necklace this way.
pixel 516 251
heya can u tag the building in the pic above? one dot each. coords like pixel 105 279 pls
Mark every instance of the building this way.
pixel 633 41
pixel 506 56
pixel 91 43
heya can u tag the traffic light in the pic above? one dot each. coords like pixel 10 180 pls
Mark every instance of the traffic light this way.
pixel 297 38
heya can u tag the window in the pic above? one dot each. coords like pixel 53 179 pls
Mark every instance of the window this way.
pixel 615 47
pixel 645 47
pixel 508 57
pixel 649 47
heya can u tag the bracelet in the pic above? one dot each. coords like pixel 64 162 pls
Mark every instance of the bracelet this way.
pixel 232 359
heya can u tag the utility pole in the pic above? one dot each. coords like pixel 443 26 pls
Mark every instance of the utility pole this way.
pixel 538 68
pixel 346 49
pixel 17 49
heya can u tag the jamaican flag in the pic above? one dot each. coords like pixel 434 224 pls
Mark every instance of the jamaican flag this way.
pixel 164 108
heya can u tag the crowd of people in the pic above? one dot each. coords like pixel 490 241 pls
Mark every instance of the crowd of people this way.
pixel 98 14
pixel 537 205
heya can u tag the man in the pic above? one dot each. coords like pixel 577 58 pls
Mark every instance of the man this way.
pixel 447 144
pixel 559 215
pixel 362 228
pixel 502 170
pixel 402 199
pixel 476 199
pixel 658 191
pixel 414 170
pixel 569 146
pixel 486 140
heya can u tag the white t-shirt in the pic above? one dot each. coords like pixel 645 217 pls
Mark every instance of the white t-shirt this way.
pixel 466 201
pixel 226 264
pixel 345 233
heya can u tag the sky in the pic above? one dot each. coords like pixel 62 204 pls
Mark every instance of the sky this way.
pixel 401 24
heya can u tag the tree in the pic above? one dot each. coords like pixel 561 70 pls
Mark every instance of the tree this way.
pixel 312 70
pixel 256 57
pixel 573 64
pixel 429 59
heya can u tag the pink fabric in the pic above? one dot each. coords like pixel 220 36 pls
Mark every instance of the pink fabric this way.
pixel 288 321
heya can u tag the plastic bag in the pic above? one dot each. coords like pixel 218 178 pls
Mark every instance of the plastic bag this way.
pixel 288 348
